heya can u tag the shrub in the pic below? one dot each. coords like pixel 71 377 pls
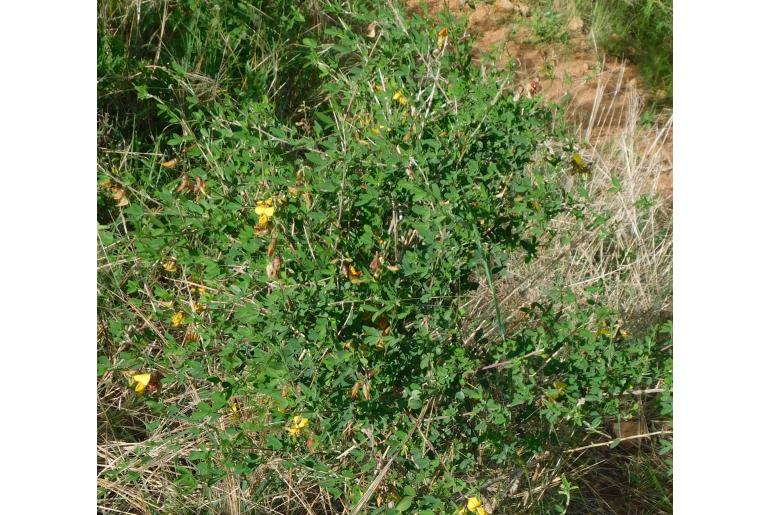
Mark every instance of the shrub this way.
pixel 287 250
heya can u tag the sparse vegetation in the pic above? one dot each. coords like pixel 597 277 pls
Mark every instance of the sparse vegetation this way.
pixel 641 31
pixel 342 270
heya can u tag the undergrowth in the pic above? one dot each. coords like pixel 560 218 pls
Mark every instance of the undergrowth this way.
pixel 297 201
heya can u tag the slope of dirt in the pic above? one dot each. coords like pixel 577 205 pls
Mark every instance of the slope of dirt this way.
pixel 595 91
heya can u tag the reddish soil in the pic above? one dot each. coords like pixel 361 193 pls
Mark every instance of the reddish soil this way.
pixel 596 91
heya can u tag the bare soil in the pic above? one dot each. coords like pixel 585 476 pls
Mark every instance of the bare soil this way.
pixel 595 90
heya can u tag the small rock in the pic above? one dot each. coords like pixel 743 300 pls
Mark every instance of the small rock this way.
pixel 575 24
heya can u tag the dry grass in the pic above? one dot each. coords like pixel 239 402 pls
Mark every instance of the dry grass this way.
pixel 629 256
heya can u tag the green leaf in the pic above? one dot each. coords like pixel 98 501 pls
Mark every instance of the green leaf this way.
pixel 404 504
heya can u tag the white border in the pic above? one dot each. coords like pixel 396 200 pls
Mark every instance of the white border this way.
pixel 48 301
pixel 721 280
pixel 722 142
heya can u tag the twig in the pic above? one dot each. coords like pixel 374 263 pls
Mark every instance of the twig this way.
pixel 377 480
pixel 509 361
pixel 634 437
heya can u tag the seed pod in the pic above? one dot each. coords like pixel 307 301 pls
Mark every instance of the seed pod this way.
pixel 171 163
pixel 184 184
pixel 376 265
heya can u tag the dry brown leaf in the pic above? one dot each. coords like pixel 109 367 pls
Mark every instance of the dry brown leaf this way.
pixel 274 268
pixel 184 184
pixel 376 265
pixel 171 163
pixel 119 195
pixel 535 87
pixel 190 335
pixel 200 188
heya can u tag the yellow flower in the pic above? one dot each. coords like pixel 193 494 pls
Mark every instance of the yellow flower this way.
pixel 234 413
pixel 481 511
pixel 177 319
pixel 265 209
pixel 399 97
pixel 442 37
pixel 474 504
pixel 169 266
pixel 141 380
pixel 355 275
pixel 297 424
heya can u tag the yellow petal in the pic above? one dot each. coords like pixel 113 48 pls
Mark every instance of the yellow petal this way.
pixel 481 511
pixel 294 431
pixel 354 275
pixel 442 37
pixel 169 266
pixel 141 380
pixel 473 504
pixel 264 211
pixel 171 163
pixel 177 319
pixel 399 97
